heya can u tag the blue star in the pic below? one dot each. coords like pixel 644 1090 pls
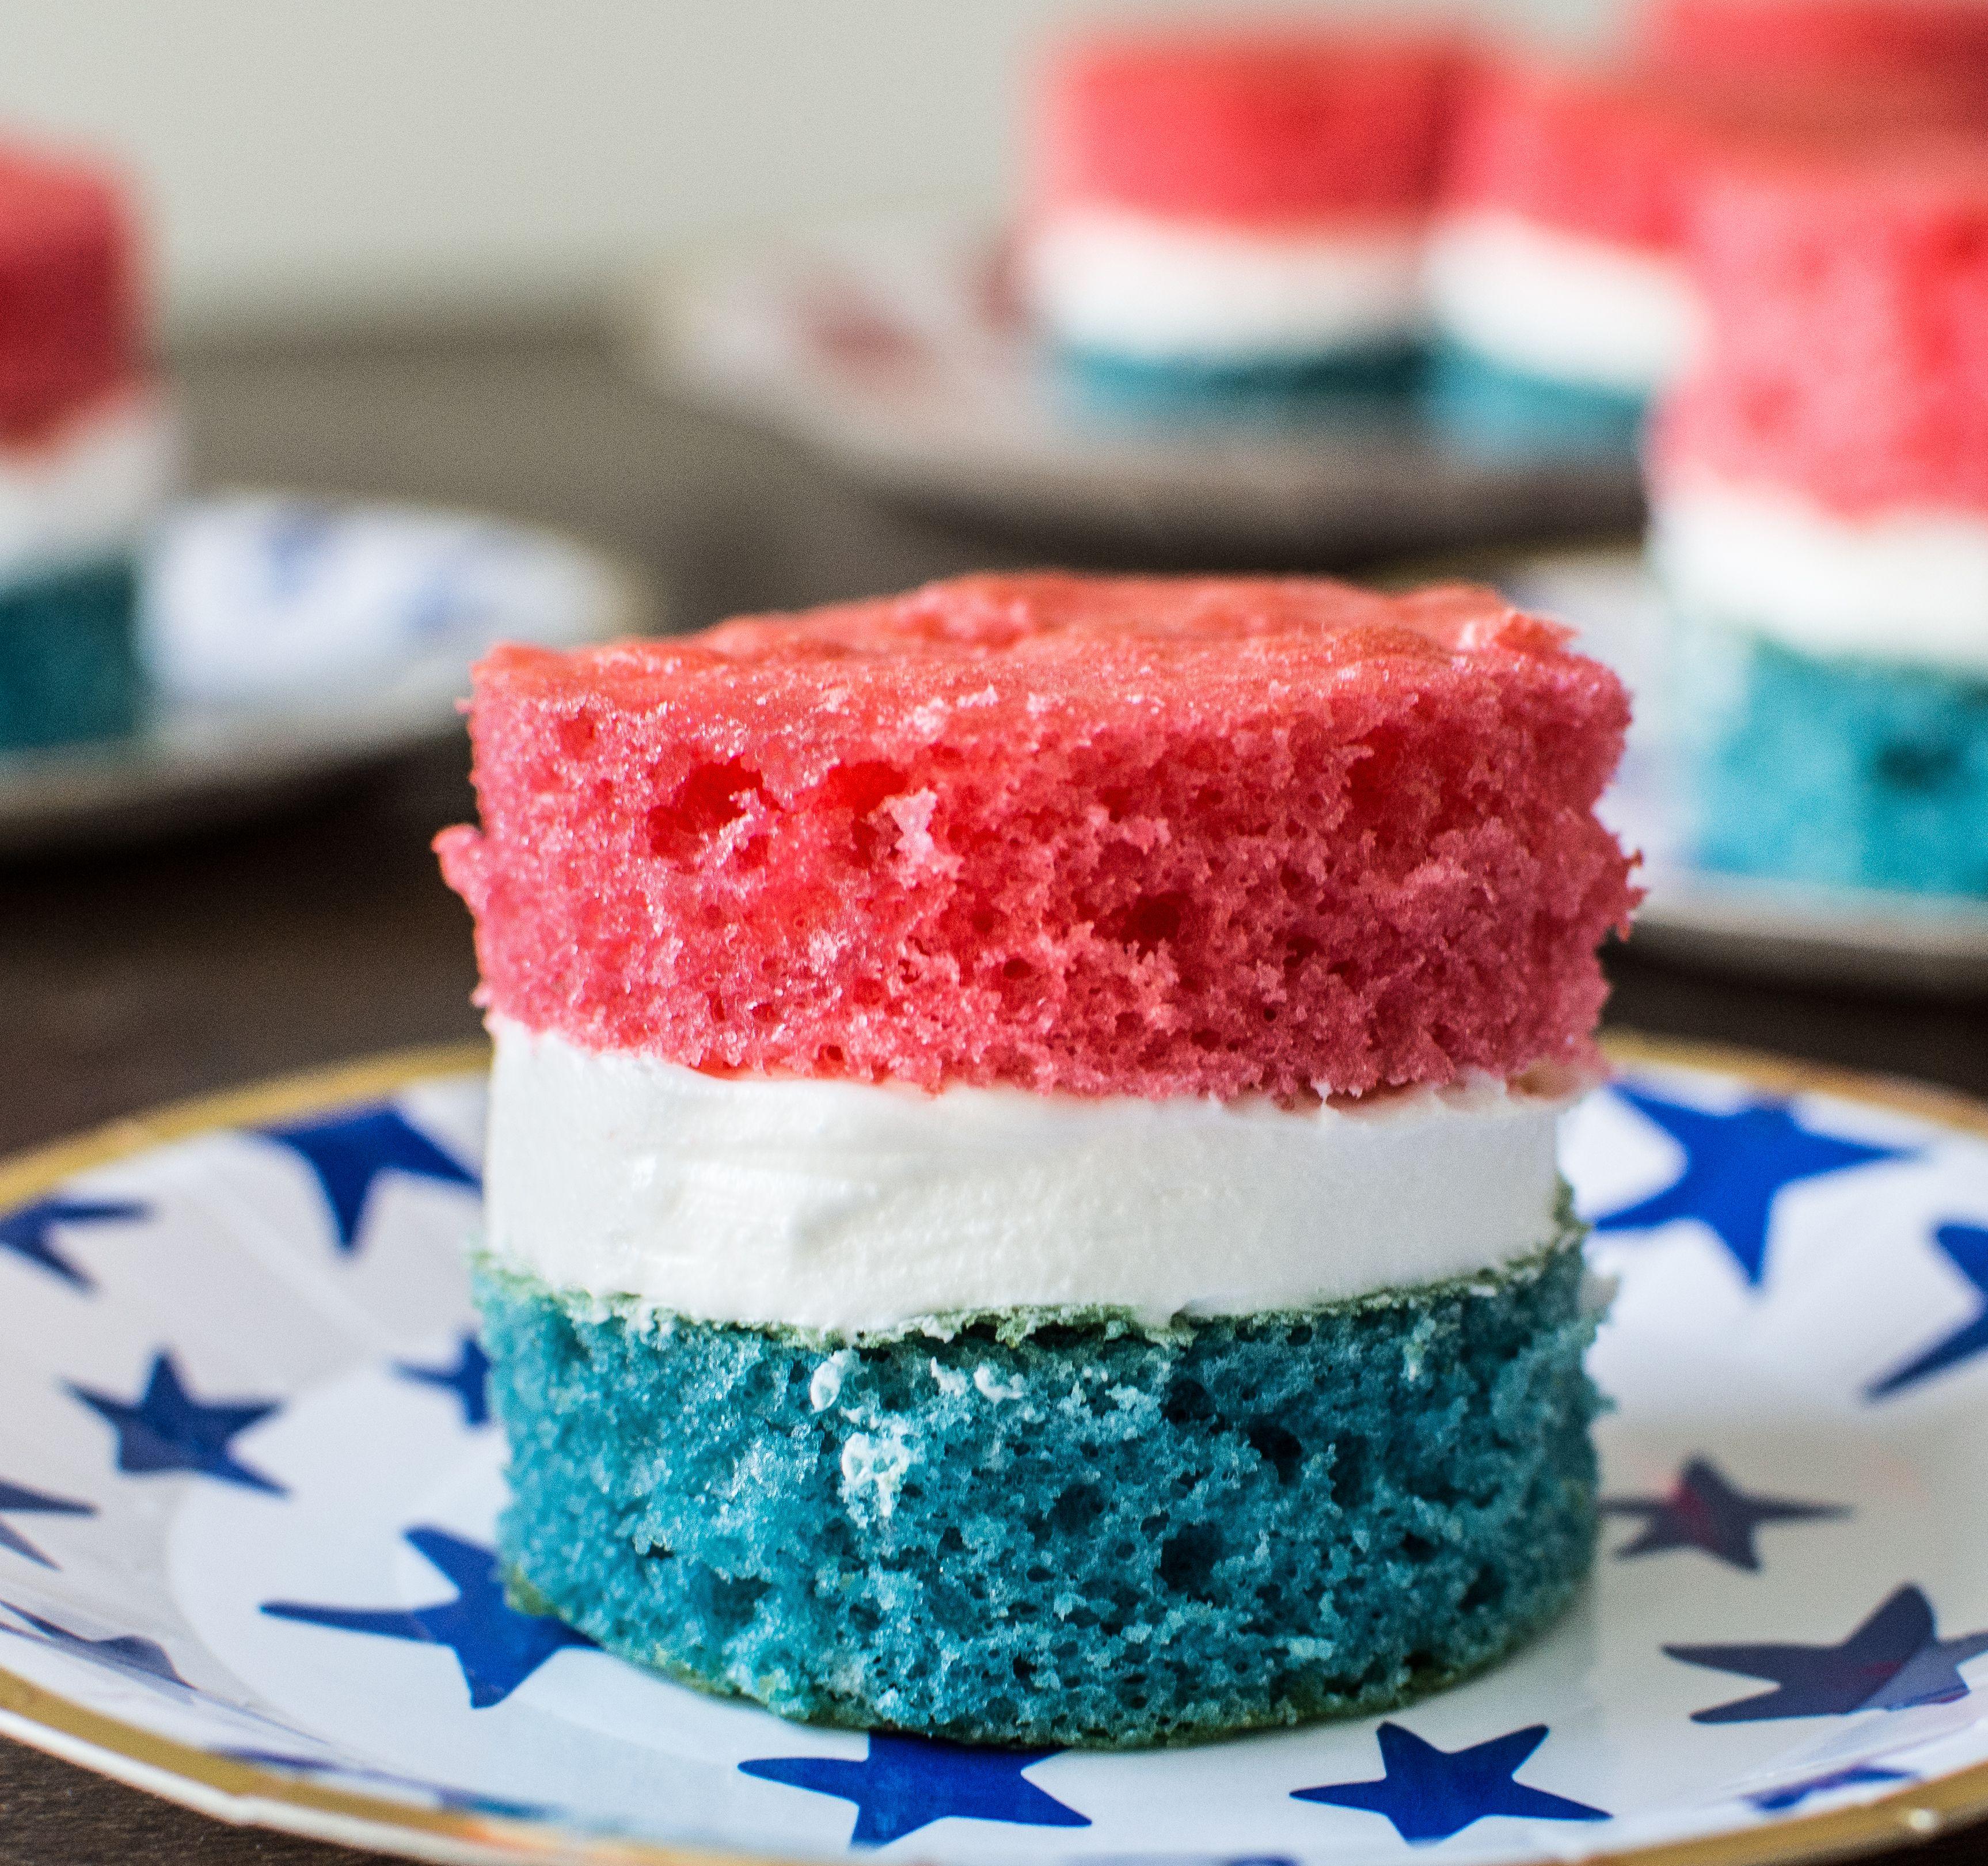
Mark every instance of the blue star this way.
pixel 21 1501
pixel 1966 1248
pixel 143 1658
pixel 906 1782
pixel 497 1647
pixel 25 1230
pixel 168 1430
pixel 1778 1800
pixel 1735 1164
pixel 1895 1659
pixel 350 1151
pixel 1703 1511
pixel 1430 1793
pixel 468 1380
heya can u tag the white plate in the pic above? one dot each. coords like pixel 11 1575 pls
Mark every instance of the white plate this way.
pixel 1787 929
pixel 892 347
pixel 247 1487
pixel 296 642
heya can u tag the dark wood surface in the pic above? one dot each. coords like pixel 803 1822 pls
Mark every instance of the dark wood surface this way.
pixel 135 977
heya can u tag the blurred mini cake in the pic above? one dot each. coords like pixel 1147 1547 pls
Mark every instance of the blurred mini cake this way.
pixel 1820 499
pixel 1558 275
pixel 1556 256
pixel 87 453
pixel 1226 202
pixel 1022 1194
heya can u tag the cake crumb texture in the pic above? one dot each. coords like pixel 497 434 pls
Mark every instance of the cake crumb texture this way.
pixel 1848 355
pixel 1141 835
pixel 1839 771
pixel 1086 1535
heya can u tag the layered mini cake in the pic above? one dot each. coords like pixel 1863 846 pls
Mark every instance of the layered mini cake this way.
pixel 86 454
pixel 1556 256
pixel 1229 203
pixel 1820 499
pixel 1021 1196
pixel 1558 274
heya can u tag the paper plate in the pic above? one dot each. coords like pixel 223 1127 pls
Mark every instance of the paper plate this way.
pixel 247 1481
pixel 893 348
pixel 1787 929
pixel 293 641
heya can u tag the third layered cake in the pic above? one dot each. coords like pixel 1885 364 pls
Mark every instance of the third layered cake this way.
pixel 1819 492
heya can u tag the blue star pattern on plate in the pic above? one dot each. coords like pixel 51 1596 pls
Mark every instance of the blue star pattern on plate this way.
pixel 1793 1794
pixel 905 1782
pixel 29 1231
pixel 145 1659
pixel 1966 1248
pixel 497 1647
pixel 468 1380
pixel 349 1152
pixel 1430 1793
pixel 1703 1511
pixel 167 1429
pixel 1895 1659
pixel 18 1499
pixel 1735 1165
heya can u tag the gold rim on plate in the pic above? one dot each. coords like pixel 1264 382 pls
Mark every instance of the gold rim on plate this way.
pixel 246 1795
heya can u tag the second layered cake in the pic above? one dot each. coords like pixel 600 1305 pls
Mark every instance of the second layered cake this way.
pixel 1023 1203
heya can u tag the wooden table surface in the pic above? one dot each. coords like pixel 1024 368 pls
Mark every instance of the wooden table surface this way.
pixel 129 979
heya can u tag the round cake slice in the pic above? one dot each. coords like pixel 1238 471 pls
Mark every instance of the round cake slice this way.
pixel 1253 200
pixel 88 453
pixel 1022 1194
pixel 1819 499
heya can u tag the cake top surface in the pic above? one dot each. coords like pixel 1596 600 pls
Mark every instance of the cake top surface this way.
pixel 1265 124
pixel 1046 628
pixel 1856 38
pixel 1103 836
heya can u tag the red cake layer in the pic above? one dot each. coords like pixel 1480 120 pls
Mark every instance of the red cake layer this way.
pixel 69 317
pixel 1847 356
pixel 1137 836
pixel 1620 155
pixel 1944 40
pixel 1264 128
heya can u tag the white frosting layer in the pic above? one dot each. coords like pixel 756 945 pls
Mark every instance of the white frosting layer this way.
pixel 1908 585
pixel 848 1208
pixel 1159 291
pixel 88 490
pixel 1560 306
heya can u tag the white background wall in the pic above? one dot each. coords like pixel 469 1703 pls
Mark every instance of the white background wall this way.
pixel 312 162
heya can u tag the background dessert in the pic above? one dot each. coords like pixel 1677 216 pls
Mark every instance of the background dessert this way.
pixel 87 452
pixel 1021 1196
pixel 1819 492
pixel 1227 201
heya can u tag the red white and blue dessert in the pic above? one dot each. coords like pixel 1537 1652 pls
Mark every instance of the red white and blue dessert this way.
pixel 1555 255
pixel 1558 262
pixel 1225 201
pixel 1819 490
pixel 87 453
pixel 1021 1191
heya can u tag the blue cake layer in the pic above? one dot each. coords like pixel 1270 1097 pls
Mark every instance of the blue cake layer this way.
pixel 1360 387
pixel 1077 1534
pixel 1839 771
pixel 68 663
pixel 1501 412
